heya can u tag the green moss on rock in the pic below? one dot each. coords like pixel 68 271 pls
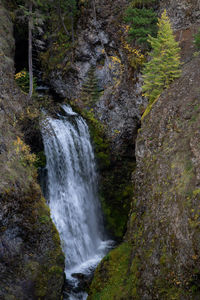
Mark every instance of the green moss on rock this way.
pixel 163 261
pixel 111 280
pixel 116 192
pixel 116 189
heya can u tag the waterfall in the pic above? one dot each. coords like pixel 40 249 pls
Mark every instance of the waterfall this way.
pixel 72 186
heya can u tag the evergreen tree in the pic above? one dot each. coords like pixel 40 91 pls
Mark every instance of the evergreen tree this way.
pixel 29 11
pixel 90 91
pixel 142 23
pixel 35 13
pixel 67 8
pixel 164 65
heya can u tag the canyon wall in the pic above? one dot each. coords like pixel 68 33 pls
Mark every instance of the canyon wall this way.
pixel 31 260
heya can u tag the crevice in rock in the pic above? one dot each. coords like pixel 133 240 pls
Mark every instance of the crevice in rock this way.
pixel 21 47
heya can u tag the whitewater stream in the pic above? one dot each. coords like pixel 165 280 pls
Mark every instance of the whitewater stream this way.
pixel 72 196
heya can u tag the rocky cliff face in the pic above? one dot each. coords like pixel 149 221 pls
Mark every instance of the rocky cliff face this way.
pixel 31 260
pixel 161 254
pixel 182 13
pixel 100 64
pixel 167 205
pixel 100 77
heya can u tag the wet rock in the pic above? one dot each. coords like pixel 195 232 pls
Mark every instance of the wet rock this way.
pixel 162 259
pixel 162 244
pixel 167 181
pixel 84 280
pixel 99 46
pixel 31 260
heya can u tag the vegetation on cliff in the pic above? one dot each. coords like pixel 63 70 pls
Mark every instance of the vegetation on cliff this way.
pixel 197 40
pixel 32 262
pixel 162 260
pixel 112 277
pixel 115 188
pixel 142 18
pixel 163 229
pixel 164 65
pixel 143 22
pixel 162 241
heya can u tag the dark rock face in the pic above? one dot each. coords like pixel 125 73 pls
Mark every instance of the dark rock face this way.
pixel 84 280
pixel 163 228
pixel 103 86
pixel 167 204
pixel 31 260
pixel 99 46
pixel 182 13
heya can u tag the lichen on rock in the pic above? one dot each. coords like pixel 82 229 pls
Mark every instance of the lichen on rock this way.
pixel 163 260
pixel 163 227
pixel 32 262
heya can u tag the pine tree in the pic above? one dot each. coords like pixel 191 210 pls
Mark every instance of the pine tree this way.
pixel 164 65
pixel 90 92
pixel 142 23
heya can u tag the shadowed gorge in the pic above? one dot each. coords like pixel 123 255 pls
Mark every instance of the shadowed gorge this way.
pixel 21 47
pixel 106 119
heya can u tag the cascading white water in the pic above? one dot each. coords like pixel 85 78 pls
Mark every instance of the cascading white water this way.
pixel 72 193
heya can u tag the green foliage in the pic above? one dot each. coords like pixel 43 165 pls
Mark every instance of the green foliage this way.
pixel 116 192
pixel 112 278
pixel 90 91
pixel 142 23
pixel 70 6
pixel 44 219
pixel 60 36
pixel 197 40
pixel 116 189
pixel 38 14
pixel 41 160
pixel 56 270
pixel 164 65
pixel 54 56
pixel 143 3
pixel 22 79
pixel 62 11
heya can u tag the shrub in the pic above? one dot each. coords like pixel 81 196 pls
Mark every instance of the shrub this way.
pixel 197 39
pixel 22 79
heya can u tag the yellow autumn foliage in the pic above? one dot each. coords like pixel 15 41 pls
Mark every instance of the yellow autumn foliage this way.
pixel 23 151
pixel 20 74
pixel 135 56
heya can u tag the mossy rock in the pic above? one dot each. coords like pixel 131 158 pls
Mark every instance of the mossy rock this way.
pixel 116 189
pixel 113 279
